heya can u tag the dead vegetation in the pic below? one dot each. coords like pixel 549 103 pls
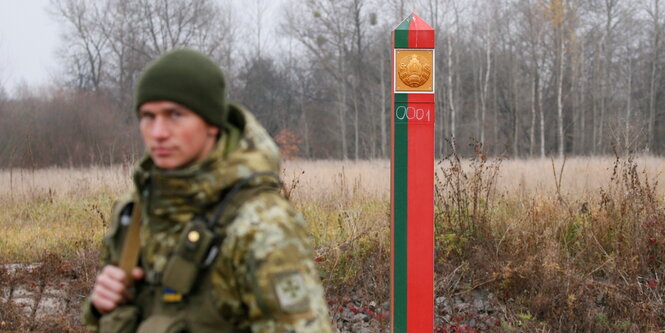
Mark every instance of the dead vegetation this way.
pixel 559 262
pixel 565 245
pixel 46 297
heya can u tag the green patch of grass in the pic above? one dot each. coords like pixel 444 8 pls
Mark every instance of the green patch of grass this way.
pixel 58 225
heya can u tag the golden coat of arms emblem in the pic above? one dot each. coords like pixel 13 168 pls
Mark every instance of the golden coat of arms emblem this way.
pixel 413 70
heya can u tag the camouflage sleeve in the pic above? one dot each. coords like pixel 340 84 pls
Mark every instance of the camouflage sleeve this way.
pixel 274 269
pixel 110 249
pixel 89 316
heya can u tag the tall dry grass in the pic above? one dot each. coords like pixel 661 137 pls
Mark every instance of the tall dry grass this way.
pixel 326 179
pixel 582 177
pixel 55 210
pixel 18 184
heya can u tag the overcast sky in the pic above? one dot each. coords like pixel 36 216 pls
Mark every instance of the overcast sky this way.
pixel 29 39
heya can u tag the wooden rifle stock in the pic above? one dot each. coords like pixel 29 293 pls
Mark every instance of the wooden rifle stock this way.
pixel 132 246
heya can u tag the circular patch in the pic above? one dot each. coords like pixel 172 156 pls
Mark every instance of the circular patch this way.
pixel 193 236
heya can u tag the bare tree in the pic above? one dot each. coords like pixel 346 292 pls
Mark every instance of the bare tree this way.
pixel 107 43
pixel 531 33
pixel 653 10
pixel 453 61
pixel 557 11
pixel 322 29
pixel 483 68
pixel 85 44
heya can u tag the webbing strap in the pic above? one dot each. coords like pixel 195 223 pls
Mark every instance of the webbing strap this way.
pixel 132 246
pixel 231 195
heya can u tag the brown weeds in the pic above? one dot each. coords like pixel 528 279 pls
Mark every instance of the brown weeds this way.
pixel 56 283
pixel 598 269
pixel 464 201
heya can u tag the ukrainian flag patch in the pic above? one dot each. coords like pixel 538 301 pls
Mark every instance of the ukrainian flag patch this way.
pixel 171 296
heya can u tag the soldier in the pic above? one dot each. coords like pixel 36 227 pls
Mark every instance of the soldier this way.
pixel 220 249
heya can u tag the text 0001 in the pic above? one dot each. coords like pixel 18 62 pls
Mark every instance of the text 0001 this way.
pixel 406 113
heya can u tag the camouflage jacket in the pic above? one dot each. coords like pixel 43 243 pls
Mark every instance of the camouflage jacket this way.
pixel 262 280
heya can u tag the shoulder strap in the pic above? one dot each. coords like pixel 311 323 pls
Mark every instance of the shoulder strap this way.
pixel 233 199
pixel 228 208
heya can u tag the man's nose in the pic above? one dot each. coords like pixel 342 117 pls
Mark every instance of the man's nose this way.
pixel 160 128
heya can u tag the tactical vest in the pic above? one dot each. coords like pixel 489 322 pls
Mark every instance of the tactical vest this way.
pixel 179 300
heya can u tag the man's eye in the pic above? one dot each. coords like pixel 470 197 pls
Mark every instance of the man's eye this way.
pixel 147 116
pixel 176 114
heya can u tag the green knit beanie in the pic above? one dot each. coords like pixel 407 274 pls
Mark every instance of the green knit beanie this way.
pixel 189 78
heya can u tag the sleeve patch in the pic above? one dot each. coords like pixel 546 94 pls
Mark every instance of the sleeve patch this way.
pixel 291 292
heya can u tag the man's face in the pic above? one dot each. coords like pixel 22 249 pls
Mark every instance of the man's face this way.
pixel 174 135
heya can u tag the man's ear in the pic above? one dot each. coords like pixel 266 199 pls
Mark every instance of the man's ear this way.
pixel 213 131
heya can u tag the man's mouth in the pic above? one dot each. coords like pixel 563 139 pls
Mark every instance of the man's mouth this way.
pixel 162 151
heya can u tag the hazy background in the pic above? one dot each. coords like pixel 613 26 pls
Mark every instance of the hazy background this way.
pixel 28 42
pixel 523 78
pixel 30 37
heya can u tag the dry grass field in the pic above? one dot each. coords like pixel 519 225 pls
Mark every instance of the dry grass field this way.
pixel 565 245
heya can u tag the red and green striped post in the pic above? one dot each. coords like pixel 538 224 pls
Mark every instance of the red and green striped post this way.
pixel 412 178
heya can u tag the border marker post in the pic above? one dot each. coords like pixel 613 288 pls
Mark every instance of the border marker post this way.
pixel 412 177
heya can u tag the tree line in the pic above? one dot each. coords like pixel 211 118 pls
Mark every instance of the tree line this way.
pixel 524 78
